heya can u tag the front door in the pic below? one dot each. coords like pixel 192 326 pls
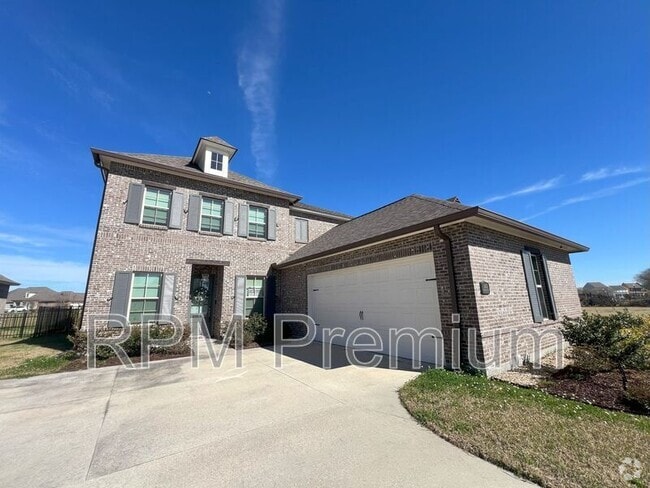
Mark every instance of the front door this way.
pixel 201 297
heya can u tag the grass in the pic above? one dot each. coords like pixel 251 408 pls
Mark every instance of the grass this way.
pixel 613 310
pixel 20 358
pixel 549 440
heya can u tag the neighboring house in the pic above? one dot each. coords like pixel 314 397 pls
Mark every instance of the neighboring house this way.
pixel 596 288
pixel 5 284
pixel 619 292
pixel 187 236
pixel 635 290
pixel 32 298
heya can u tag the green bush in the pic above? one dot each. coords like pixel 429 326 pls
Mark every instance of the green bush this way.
pixel 620 341
pixel 253 329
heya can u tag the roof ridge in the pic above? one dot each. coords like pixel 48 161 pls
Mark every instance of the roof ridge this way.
pixel 446 203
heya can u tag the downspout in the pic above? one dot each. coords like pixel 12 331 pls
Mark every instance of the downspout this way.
pixel 449 254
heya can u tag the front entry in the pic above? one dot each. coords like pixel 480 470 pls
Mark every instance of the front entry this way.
pixel 205 295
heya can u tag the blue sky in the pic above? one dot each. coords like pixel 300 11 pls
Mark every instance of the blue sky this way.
pixel 537 110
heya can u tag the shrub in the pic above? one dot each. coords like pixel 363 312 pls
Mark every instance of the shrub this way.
pixel 253 329
pixel 620 341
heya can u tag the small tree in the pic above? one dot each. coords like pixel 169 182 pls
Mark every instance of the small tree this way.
pixel 620 341
pixel 644 278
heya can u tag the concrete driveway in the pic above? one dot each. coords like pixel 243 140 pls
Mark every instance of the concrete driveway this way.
pixel 173 425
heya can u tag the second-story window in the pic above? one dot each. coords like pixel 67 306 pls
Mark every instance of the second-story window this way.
pixel 257 222
pixel 216 161
pixel 156 206
pixel 211 214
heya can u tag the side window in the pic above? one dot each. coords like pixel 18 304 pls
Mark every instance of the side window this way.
pixel 254 302
pixel 301 230
pixel 211 214
pixel 157 202
pixel 145 296
pixel 257 222
pixel 540 290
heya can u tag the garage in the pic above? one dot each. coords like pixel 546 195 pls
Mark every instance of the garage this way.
pixel 399 295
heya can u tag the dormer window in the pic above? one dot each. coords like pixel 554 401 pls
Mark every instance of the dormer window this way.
pixel 216 161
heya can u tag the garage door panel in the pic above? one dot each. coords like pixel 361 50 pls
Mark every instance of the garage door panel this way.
pixel 392 295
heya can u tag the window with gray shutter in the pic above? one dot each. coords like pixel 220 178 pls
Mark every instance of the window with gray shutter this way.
pixel 240 295
pixel 270 234
pixel 176 213
pixel 194 213
pixel 121 293
pixel 228 216
pixel 535 304
pixel 242 224
pixel 302 230
pixel 134 203
pixel 167 299
pixel 549 286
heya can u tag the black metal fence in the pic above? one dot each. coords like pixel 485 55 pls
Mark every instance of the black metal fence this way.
pixel 34 323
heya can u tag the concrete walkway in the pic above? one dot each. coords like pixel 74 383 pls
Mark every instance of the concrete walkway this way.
pixel 173 425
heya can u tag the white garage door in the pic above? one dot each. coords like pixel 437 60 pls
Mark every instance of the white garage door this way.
pixel 400 294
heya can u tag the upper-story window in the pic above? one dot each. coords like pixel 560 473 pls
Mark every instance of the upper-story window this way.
pixel 302 230
pixel 216 161
pixel 157 202
pixel 211 214
pixel 257 221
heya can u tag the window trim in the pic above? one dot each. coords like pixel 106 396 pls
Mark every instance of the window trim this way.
pixel 144 205
pixel 266 222
pixel 158 299
pixel 262 292
pixel 223 210
pixel 214 165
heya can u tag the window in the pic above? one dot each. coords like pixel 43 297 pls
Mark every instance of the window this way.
pixel 257 222
pixel 145 296
pixel 302 230
pixel 156 206
pixel 211 214
pixel 540 285
pixel 254 302
pixel 216 161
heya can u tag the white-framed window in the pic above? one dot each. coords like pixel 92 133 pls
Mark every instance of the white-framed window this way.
pixel 145 296
pixel 157 202
pixel 211 214
pixel 254 298
pixel 257 221
pixel 302 230
pixel 216 161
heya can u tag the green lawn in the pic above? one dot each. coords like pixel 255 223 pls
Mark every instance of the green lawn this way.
pixel 549 440
pixel 612 310
pixel 20 358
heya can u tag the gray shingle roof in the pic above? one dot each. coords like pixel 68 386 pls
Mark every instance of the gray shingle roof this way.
pixel 6 281
pixel 44 294
pixel 397 216
pixel 218 140
pixel 185 162
pixel 314 208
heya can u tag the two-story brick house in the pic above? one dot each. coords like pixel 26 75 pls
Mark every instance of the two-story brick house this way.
pixel 186 235
pixel 189 237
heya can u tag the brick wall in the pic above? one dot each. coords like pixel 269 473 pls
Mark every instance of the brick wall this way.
pixel 490 323
pixel 127 247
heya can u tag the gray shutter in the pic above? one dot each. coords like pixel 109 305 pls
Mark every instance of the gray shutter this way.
pixel 298 230
pixel 194 213
pixel 134 203
pixel 242 226
pixel 240 293
pixel 535 306
pixel 176 213
pixel 305 230
pixel 228 215
pixel 270 232
pixel 550 288
pixel 167 298
pixel 302 232
pixel 121 292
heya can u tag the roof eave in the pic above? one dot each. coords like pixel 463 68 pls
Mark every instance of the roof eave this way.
pixel 321 214
pixel 98 153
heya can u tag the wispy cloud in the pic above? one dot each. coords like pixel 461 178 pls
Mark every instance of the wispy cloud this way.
pixel 605 192
pixel 603 173
pixel 538 187
pixel 60 275
pixel 257 70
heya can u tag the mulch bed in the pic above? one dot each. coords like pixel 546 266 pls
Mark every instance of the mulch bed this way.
pixel 80 363
pixel 603 389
